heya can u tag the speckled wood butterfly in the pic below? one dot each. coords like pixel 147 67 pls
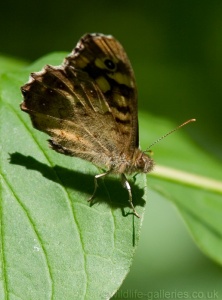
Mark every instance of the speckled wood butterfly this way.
pixel 88 106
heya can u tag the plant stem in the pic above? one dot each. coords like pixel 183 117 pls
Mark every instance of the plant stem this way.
pixel 186 178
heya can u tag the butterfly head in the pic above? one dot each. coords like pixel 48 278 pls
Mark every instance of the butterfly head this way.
pixel 142 162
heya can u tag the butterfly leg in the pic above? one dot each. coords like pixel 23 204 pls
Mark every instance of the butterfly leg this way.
pixel 127 186
pixel 96 184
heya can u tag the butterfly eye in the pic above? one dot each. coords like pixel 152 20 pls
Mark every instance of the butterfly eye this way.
pixel 110 64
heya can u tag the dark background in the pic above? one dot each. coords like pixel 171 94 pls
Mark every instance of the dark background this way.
pixel 175 48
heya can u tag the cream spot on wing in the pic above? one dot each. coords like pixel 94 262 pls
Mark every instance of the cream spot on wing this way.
pixel 99 63
pixel 82 62
pixel 120 99
pixel 121 78
pixel 103 84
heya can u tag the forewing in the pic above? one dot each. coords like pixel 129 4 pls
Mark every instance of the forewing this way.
pixel 106 63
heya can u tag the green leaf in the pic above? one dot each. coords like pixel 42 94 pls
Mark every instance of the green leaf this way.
pixel 196 189
pixel 10 64
pixel 53 244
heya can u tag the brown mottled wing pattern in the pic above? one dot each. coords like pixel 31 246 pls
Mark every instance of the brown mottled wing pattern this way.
pixel 88 105
pixel 106 62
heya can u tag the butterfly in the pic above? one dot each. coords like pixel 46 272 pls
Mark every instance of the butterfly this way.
pixel 88 106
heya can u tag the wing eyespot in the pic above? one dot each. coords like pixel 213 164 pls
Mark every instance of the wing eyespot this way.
pixel 110 65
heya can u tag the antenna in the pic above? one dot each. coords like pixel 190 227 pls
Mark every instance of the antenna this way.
pixel 165 135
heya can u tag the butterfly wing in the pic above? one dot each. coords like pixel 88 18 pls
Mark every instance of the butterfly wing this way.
pixel 105 61
pixel 83 106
